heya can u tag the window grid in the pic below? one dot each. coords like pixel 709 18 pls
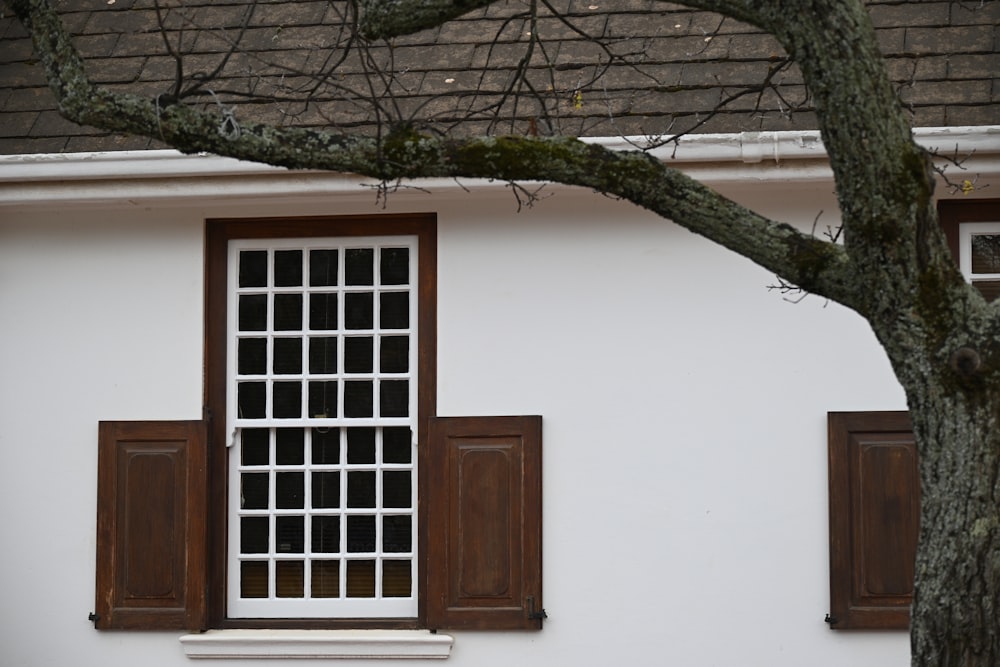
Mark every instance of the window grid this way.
pixel 283 560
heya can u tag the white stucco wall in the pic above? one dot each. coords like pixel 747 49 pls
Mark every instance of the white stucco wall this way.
pixel 685 486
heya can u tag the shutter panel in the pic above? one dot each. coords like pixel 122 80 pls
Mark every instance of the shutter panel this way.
pixel 151 487
pixel 484 546
pixel 874 519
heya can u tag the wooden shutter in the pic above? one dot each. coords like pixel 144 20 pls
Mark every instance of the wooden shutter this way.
pixel 874 519
pixel 484 523
pixel 151 525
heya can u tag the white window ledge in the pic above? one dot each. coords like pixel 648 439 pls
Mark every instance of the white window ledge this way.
pixel 317 644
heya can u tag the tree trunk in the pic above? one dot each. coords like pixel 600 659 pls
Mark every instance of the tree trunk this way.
pixel 957 590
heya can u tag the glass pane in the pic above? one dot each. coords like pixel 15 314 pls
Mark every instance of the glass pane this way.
pixel 358 398
pixel 396 445
pixel 396 575
pixel 359 355
pixel 990 289
pixel 291 534
pixel 359 310
pixel 289 490
pixel 395 267
pixel 287 399
pixel 394 355
pixel 252 312
pixel 361 488
pixel 326 534
pixel 361 445
pixel 397 534
pixel 253 491
pixel 322 267
pixel 394 310
pixel 322 355
pixel 326 445
pixel 251 356
pixel 287 268
pixel 360 534
pixel 253 579
pixel 396 488
pixel 290 446
pixel 250 399
pixel 289 578
pixel 323 399
pixel 359 266
pixel 287 356
pixel 254 443
pixel 394 398
pixel 287 312
pixel 322 312
pixel 986 253
pixel 325 489
pixel 326 578
pixel 253 268
pixel 253 535
pixel 360 578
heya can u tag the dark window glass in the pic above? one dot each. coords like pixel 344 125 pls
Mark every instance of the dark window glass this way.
pixel 358 398
pixel 325 489
pixel 322 355
pixel 394 396
pixel 288 268
pixel 394 310
pixel 287 312
pixel 360 578
pixel 395 266
pixel 358 354
pixel 326 445
pixel 252 314
pixel 251 356
pixel 253 268
pixel 322 312
pixel 253 579
pixel 253 535
pixel 289 577
pixel 287 399
pixel 394 354
pixel 358 310
pixel 255 443
pixel 359 266
pixel 397 534
pixel 396 488
pixel 396 575
pixel 360 445
pixel 360 533
pixel 250 399
pixel 289 490
pixel 986 253
pixel 325 578
pixel 323 399
pixel 253 490
pixel 361 488
pixel 396 443
pixel 289 446
pixel 326 534
pixel 287 356
pixel 290 534
pixel 322 267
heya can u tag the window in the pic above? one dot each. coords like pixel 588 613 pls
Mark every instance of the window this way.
pixel 973 232
pixel 303 499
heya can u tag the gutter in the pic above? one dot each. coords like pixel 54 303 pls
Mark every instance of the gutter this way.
pixel 745 157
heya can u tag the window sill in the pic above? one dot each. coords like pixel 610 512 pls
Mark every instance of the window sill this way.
pixel 350 644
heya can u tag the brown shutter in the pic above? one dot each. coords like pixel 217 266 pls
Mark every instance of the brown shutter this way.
pixel 874 519
pixel 484 546
pixel 151 525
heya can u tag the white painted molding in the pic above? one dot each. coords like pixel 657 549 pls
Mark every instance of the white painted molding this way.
pixel 331 644
pixel 170 176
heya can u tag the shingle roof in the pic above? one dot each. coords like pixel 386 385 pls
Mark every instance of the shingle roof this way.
pixel 659 68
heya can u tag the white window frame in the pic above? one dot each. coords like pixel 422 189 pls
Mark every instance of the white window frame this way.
pixel 342 607
pixel 966 230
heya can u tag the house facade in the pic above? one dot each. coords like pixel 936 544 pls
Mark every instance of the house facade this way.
pixel 256 415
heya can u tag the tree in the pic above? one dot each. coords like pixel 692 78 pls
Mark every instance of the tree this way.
pixel 892 266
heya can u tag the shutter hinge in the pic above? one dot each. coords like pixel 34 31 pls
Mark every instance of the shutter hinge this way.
pixel 831 620
pixel 94 618
pixel 532 614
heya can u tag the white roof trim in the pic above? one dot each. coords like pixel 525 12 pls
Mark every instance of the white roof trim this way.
pixel 169 174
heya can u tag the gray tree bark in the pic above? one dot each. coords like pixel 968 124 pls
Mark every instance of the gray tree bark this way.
pixel 893 267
